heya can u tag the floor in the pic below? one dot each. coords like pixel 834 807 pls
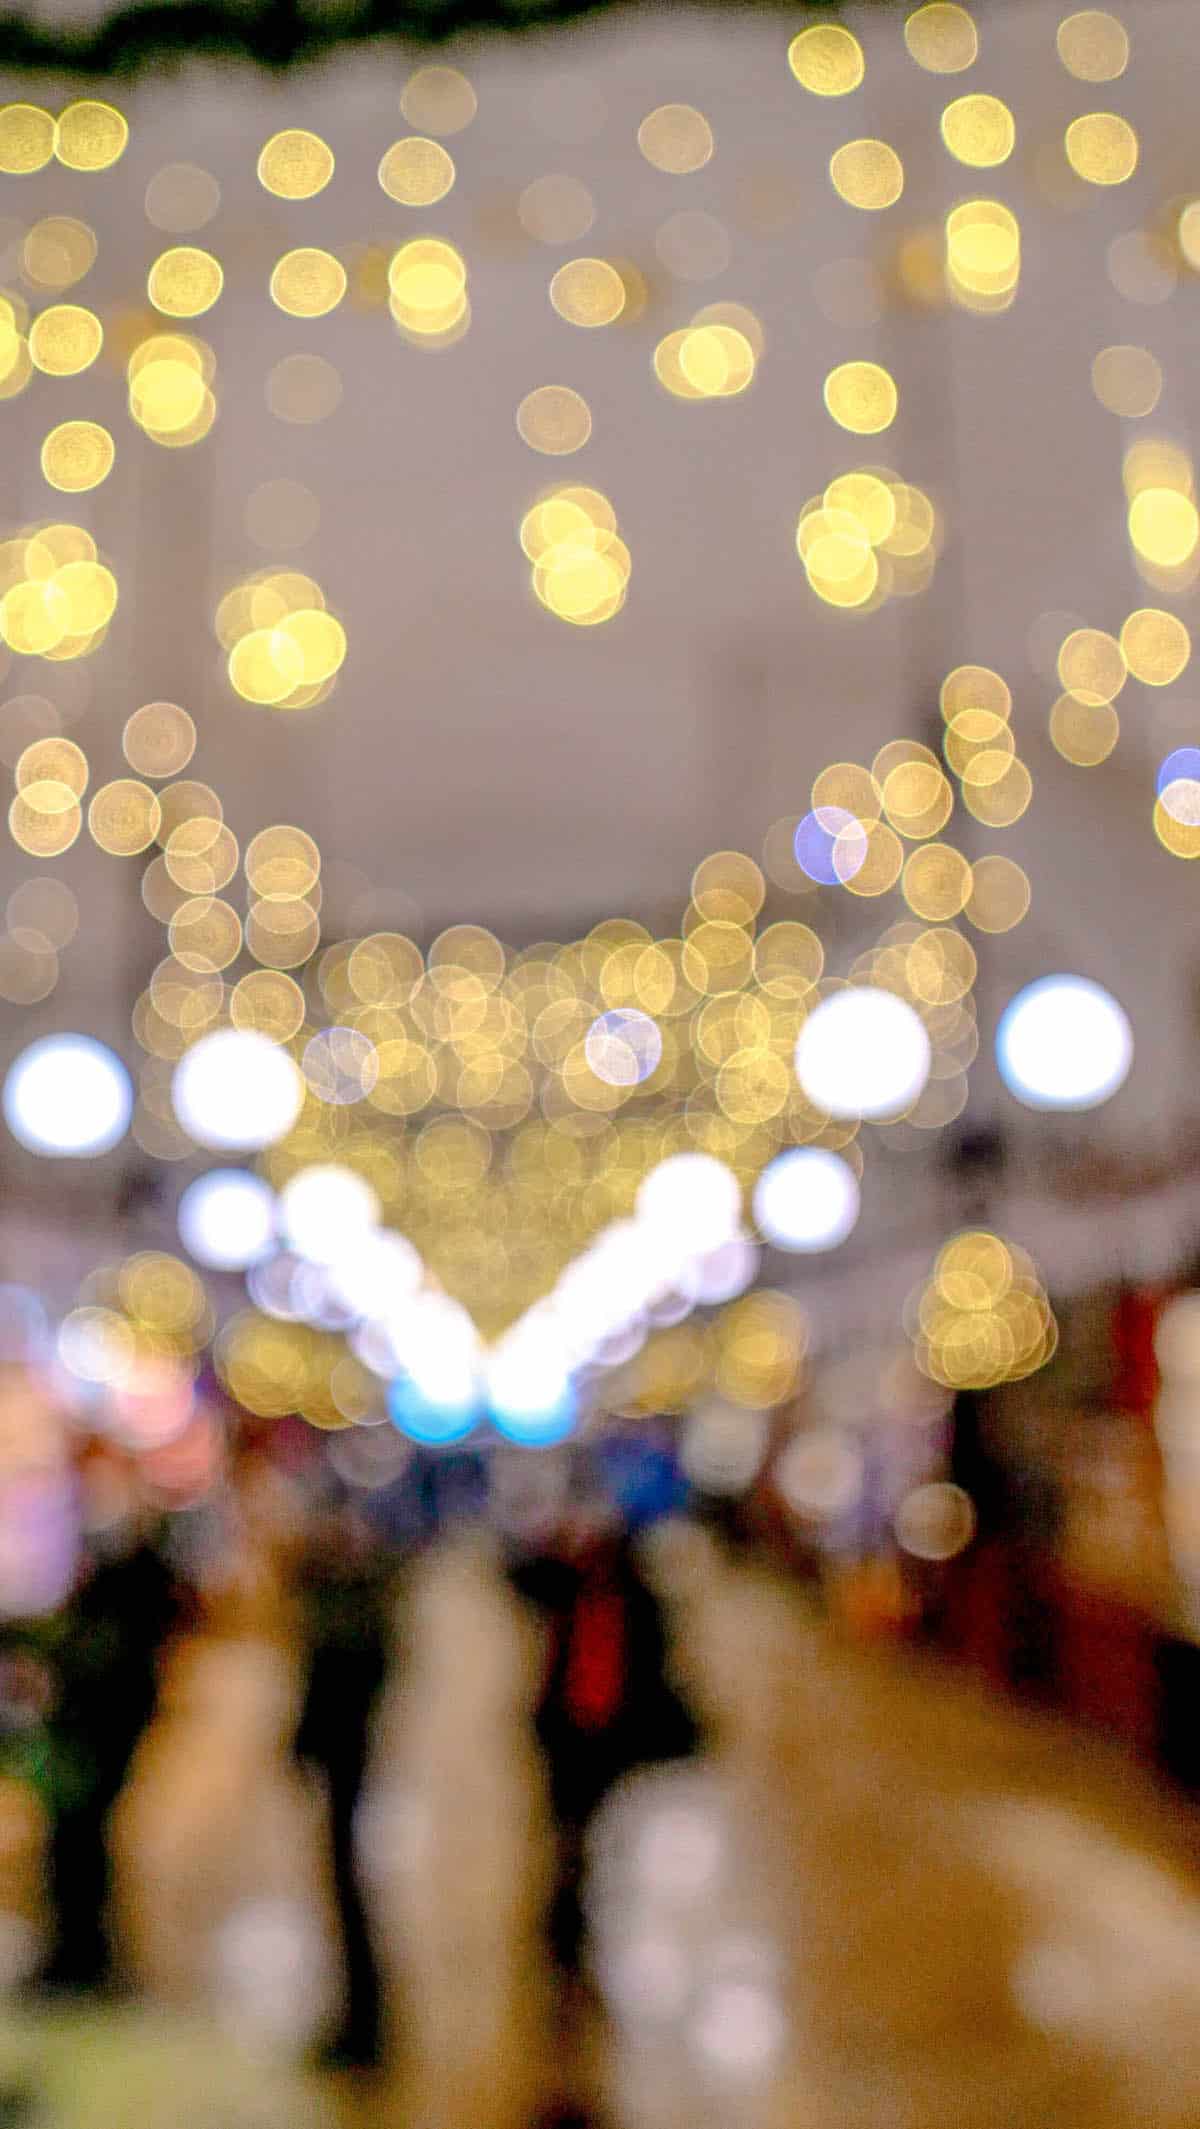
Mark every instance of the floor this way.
pixel 883 1900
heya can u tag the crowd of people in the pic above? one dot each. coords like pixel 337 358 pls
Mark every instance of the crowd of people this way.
pixel 325 1568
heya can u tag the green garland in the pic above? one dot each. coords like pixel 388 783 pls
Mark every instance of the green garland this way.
pixel 278 34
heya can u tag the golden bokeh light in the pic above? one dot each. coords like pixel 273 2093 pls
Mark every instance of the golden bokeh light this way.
pixel 27 136
pixel 1084 729
pixel 308 282
pixel 284 646
pixel 1127 380
pixel 52 763
pixel 848 787
pixel 862 397
pixel 705 362
pixel 762 1341
pixel 185 281
pixel 997 796
pixel 972 733
pixel 416 171
pixel 937 882
pixel 983 1316
pixel 439 100
pixel 1187 231
pixel 580 566
pixel 554 419
pixel 983 251
pixel 979 131
pixel 77 455
pixel 205 934
pixel 1156 646
pixel 282 863
pixel 868 858
pixel 90 135
pixel 65 339
pixel 44 820
pixel 1093 45
pixel 942 37
pixel 676 138
pixel 295 164
pixel 427 284
pixel 159 739
pixel 867 174
pixel 124 817
pixel 186 800
pixel 975 687
pixel 1163 527
pixel 269 1001
pixel 727 887
pixel 827 59
pixel 1102 148
pixel 58 251
pixel 1092 663
pixel 201 856
pixel 170 394
pixel 588 292
pixel 1176 818
pixel 28 966
pixel 917 799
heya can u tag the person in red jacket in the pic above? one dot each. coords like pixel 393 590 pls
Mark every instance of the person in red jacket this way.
pixel 606 1703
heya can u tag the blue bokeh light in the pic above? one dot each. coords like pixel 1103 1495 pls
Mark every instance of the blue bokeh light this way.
pixel 1184 762
pixel 424 1420
pixel 817 849
pixel 537 1427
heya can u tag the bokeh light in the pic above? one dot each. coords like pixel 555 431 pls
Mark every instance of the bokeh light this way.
pixel 227 1219
pixel 807 1199
pixel 1064 1043
pixel 827 59
pixel 863 1053
pixel 236 1090
pixel 68 1095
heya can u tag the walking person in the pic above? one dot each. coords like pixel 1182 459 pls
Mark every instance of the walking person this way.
pixel 347 1594
pixel 606 1705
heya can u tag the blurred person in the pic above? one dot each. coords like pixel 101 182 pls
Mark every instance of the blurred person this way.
pixel 104 1651
pixel 347 1595
pixel 605 1706
pixel 998 1592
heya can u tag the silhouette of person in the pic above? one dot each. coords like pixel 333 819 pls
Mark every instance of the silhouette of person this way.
pixel 104 1650
pixel 606 1703
pixel 347 1595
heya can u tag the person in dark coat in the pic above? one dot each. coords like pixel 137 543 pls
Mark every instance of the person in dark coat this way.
pixel 348 1598
pixel 606 1704
pixel 103 1653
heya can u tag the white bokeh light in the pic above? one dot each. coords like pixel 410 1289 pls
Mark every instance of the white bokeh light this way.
pixel 1064 1043
pixel 236 1091
pixel 528 1386
pixel 326 1210
pixel 806 1199
pixel 863 1052
pixel 377 1271
pixel 691 1203
pixel 68 1096
pixel 227 1219
pixel 623 1047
